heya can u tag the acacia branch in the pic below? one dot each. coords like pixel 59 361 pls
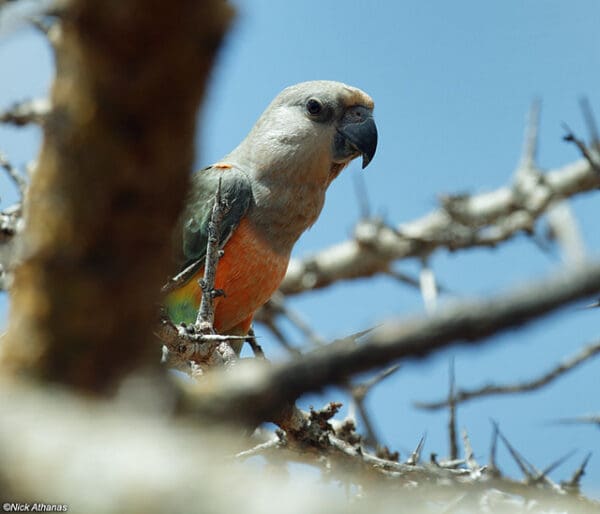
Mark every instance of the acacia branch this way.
pixel 259 391
pixel 199 342
pixel 206 312
pixel 465 395
pixel 462 222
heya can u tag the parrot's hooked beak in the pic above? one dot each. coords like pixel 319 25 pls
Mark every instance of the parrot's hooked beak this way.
pixel 356 134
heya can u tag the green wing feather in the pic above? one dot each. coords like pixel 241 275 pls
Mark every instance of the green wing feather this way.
pixel 236 191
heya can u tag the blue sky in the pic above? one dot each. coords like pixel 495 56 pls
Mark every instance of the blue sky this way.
pixel 452 83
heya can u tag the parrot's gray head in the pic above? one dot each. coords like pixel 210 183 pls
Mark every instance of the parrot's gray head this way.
pixel 311 130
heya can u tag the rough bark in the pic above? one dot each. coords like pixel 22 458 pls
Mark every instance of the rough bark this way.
pixel 117 152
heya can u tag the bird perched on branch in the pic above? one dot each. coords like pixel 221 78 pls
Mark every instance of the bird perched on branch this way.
pixel 274 185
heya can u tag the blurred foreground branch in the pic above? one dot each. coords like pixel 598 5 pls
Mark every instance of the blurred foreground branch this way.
pixel 142 464
pixel 109 185
pixel 257 390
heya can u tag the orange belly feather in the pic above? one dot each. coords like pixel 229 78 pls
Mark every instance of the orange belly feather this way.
pixel 249 272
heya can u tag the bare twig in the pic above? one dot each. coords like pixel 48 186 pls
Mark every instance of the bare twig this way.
pixel 592 305
pixel 405 278
pixel 270 323
pixel 411 281
pixel 14 15
pixel 259 448
pixel 571 138
pixel 277 306
pixel 567 365
pixel 359 393
pixel 256 348
pixel 377 379
pixel 15 175
pixel 591 419
pixel 590 122
pixel 182 277
pixel 452 432
pixel 206 312
pixel 23 113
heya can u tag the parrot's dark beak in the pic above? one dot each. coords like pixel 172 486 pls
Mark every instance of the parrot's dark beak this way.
pixel 357 132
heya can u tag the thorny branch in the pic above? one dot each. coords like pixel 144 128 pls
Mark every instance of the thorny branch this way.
pixel 206 312
pixel 465 395
pixel 485 219
pixel 199 342
pixel 276 306
pixel 339 449
pixel 260 390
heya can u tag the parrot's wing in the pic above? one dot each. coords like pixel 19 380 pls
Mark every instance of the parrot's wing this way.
pixel 236 191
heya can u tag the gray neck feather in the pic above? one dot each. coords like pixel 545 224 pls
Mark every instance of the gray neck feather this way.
pixel 289 186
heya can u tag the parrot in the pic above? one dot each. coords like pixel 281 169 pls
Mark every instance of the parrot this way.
pixel 274 184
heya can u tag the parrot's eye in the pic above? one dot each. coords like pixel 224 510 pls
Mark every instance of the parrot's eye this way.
pixel 314 107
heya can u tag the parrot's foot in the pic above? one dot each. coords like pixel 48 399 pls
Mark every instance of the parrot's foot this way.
pixel 186 343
